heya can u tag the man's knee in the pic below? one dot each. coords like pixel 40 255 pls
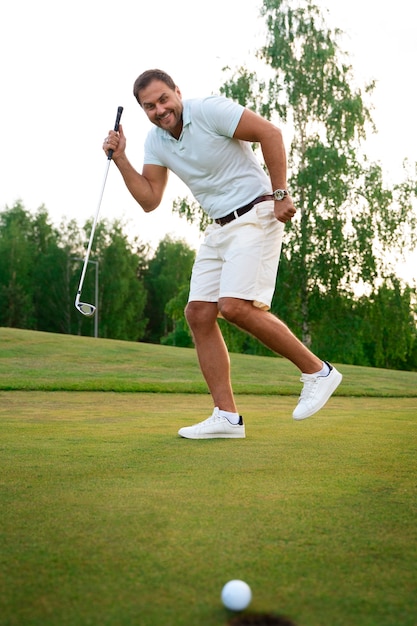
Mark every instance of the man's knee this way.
pixel 190 312
pixel 200 313
pixel 232 309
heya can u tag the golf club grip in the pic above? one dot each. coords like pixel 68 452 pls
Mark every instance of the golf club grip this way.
pixel 116 128
pixel 119 115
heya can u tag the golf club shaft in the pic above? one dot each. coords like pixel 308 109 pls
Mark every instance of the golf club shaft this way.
pixel 90 242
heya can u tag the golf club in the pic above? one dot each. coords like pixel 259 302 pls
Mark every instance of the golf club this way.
pixel 89 309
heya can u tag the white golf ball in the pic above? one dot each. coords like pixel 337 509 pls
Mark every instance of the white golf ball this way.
pixel 236 595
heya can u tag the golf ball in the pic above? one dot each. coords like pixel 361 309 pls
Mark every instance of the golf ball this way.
pixel 236 595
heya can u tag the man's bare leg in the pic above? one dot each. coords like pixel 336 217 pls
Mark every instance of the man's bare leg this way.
pixel 212 352
pixel 271 331
pixel 215 363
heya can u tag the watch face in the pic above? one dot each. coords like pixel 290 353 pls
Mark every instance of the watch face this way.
pixel 279 194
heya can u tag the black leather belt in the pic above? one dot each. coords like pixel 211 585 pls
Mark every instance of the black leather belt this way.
pixel 244 209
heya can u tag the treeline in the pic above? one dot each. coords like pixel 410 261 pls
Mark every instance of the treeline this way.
pixel 141 296
pixel 40 268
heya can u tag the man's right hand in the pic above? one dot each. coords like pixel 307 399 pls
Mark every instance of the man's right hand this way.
pixel 115 141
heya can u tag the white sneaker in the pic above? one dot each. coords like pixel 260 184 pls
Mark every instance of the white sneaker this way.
pixel 316 391
pixel 214 427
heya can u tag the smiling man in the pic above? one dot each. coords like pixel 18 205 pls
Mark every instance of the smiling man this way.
pixel 207 143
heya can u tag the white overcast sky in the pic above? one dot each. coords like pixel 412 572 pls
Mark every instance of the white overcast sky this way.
pixel 66 67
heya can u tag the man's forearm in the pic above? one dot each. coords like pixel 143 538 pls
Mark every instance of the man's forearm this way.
pixel 137 184
pixel 275 157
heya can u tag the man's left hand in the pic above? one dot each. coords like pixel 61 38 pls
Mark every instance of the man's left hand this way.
pixel 284 209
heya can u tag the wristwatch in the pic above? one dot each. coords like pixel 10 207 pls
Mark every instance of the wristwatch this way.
pixel 280 194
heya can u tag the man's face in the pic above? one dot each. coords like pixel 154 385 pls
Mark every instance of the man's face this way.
pixel 163 106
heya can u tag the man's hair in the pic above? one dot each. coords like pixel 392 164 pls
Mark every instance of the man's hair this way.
pixel 147 77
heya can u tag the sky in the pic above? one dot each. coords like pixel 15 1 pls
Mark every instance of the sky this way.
pixel 67 66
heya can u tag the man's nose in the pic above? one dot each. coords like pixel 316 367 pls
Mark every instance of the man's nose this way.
pixel 160 109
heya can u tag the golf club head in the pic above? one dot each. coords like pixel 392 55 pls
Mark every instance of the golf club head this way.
pixel 86 309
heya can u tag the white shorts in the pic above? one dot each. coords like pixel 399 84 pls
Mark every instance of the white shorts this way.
pixel 240 259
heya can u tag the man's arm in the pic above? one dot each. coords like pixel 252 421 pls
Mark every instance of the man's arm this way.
pixel 254 128
pixel 146 188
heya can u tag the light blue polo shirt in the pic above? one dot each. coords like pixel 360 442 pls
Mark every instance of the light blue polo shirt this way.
pixel 222 173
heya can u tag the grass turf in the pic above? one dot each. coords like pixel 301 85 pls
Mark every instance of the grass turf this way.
pixel 108 518
pixel 51 362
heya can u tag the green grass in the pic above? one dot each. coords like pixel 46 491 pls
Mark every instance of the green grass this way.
pixel 108 518
pixel 46 361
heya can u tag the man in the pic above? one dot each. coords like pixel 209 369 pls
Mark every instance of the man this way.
pixel 207 143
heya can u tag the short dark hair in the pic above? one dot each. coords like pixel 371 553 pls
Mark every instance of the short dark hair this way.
pixel 147 77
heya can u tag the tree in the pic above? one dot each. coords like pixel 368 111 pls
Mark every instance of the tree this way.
pixel 349 223
pixel 40 268
pixel 16 268
pixel 192 212
pixel 389 326
pixel 49 275
pixel 174 310
pixel 71 244
pixel 351 227
pixel 168 272
pixel 122 293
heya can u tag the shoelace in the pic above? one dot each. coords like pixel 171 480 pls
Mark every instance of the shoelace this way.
pixel 214 417
pixel 308 388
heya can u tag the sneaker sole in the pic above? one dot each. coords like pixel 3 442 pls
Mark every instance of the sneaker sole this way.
pixel 336 382
pixel 215 436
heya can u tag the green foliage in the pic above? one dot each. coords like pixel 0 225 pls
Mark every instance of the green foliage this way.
pixel 351 228
pixel 192 212
pixel 168 274
pixel 329 244
pixel 310 78
pixel 40 268
pixel 50 278
pixel 390 331
pixel 123 295
pixel 26 244
pixel 174 309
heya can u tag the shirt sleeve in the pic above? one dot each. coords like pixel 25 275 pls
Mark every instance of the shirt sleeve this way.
pixel 222 114
pixel 150 155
